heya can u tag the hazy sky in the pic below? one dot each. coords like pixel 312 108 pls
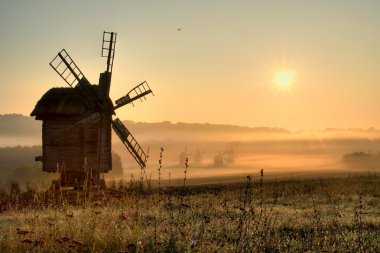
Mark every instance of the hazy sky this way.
pixel 219 68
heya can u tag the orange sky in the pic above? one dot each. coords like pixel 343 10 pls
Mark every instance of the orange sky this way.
pixel 219 68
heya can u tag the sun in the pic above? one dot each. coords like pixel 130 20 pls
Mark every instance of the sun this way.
pixel 284 78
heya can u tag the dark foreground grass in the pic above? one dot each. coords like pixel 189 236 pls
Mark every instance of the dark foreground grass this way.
pixel 318 215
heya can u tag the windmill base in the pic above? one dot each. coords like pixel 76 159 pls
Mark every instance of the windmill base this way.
pixel 79 181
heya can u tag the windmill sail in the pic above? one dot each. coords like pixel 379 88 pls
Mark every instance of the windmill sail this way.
pixel 108 48
pixel 108 51
pixel 138 92
pixel 89 119
pixel 64 65
pixel 130 142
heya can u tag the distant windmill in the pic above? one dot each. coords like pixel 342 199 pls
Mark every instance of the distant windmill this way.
pixel 77 121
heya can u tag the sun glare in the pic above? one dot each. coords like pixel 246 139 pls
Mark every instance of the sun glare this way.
pixel 284 78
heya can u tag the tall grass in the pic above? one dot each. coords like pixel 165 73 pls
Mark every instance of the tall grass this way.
pixel 318 215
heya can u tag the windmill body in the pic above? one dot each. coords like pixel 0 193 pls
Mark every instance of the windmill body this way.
pixel 77 122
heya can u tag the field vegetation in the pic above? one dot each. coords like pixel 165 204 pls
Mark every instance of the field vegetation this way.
pixel 297 215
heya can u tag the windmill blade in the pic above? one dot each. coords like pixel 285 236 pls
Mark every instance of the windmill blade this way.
pixel 130 142
pixel 64 65
pixel 89 119
pixel 138 92
pixel 108 48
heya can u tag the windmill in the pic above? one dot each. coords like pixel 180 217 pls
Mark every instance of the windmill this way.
pixel 77 121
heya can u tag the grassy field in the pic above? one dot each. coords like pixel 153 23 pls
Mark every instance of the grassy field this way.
pixel 313 215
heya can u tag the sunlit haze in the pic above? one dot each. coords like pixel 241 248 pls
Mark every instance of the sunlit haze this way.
pixel 291 64
pixel 284 78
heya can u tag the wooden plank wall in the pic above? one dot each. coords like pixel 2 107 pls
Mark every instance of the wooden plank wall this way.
pixel 77 145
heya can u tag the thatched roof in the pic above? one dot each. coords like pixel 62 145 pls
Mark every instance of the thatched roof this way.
pixel 63 102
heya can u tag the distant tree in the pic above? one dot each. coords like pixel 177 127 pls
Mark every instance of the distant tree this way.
pixel 13 157
pixel 117 167
pixel 29 174
pixel 219 160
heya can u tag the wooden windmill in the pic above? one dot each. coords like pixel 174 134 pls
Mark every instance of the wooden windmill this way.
pixel 77 121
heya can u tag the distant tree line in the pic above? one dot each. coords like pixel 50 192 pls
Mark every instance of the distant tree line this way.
pixel 19 125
